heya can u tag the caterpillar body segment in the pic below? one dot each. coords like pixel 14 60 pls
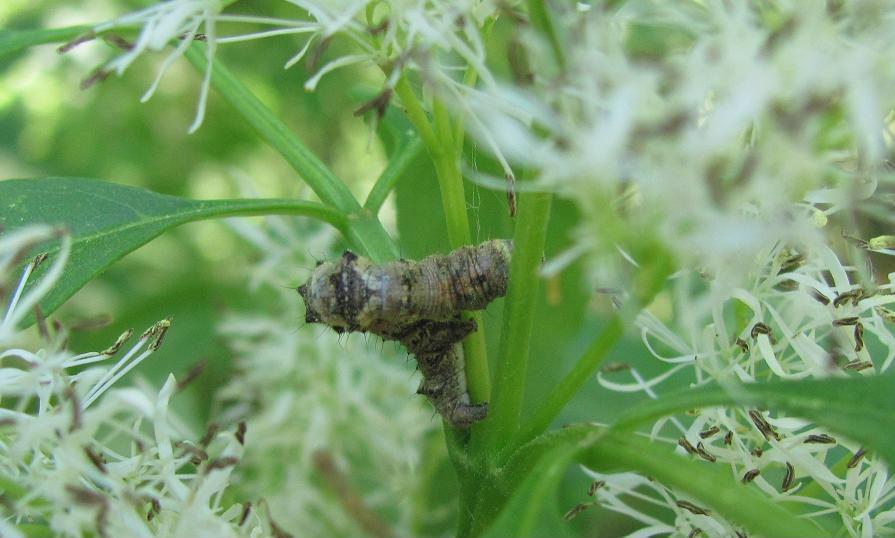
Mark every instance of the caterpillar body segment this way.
pixel 353 294
pixel 439 357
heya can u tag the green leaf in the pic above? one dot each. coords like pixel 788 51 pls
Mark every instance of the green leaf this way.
pixel 107 220
pixel 859 408
pixel 711 486
pixel 604 450
pixel 397 168
pixel 12 41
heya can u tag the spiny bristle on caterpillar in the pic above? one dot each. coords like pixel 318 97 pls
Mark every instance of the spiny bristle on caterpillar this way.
pixel 419 305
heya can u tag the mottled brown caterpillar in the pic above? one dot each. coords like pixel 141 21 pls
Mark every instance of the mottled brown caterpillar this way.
pixel 419 305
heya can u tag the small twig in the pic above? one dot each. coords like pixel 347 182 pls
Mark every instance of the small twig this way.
pixel 354 505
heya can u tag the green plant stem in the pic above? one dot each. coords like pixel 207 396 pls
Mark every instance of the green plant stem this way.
pixel 12 41
pixel 363 230
pixel 416 114
pixel 447 166
pixel 518 320
pixel 394 170
pixel 470 76
pixel 560 396
pixel 322 181
pixel 442 148
pixel 540 19
pixel 282 206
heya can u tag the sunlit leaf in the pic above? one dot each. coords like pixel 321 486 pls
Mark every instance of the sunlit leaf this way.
pixel 107 220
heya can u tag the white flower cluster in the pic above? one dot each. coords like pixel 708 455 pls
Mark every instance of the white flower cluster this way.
pixel 395 36
pixel 80 458
pixel 713 129
pixel 312 396
pixel 802 316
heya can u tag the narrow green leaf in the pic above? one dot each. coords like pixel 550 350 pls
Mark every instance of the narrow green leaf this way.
pixel 396 169
pixel 550 408
pixel 540 18
pixel 531 511
pixel 859 408
pixel 712 486
pixel 12 41
pixel 107 220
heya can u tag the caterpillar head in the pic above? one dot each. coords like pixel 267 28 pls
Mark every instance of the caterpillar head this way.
pixel 326 294
pixel 311 315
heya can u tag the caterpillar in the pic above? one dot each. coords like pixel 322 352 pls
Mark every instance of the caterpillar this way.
pixel 417 304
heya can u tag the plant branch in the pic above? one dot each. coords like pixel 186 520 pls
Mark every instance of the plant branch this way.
pixel 280 206
pixel 394 170
pixel 322 181
pixel 416 114
pixel 363 231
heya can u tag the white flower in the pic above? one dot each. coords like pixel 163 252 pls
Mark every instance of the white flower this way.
pixel 82 458
pixel 803 315
pixel 178 22
pixel 434 37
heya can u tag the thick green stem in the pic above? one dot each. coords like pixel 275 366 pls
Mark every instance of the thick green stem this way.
pixel 445 154
pixel 518 319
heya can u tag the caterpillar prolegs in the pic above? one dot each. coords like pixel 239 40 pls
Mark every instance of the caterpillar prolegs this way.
pixel 419 305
